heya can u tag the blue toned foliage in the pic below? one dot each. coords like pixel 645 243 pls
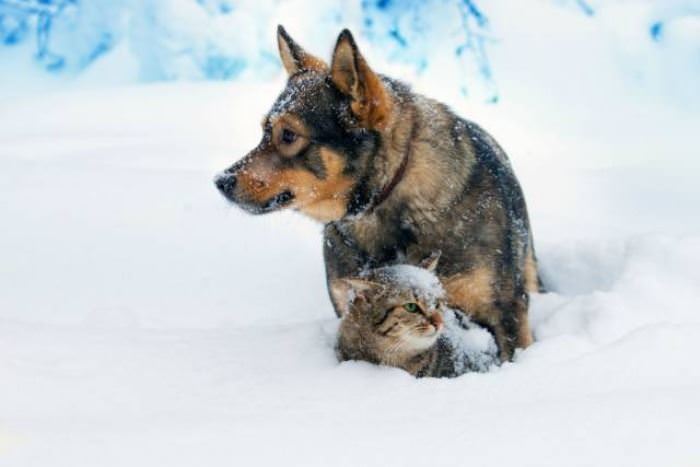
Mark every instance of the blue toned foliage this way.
pixel 197 39
pixel 221 67
pixel 409 30
pixel 170 39
pixel 13 28
pixel 582 6
pixel 82 38
pixel 227 39
pixel 585 7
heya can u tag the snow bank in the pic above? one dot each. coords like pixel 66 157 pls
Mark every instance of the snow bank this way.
pixel 144 321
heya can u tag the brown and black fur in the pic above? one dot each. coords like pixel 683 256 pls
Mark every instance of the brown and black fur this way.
pixel 394 176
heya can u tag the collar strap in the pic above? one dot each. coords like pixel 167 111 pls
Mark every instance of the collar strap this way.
pixel 398 175
pixel 389 187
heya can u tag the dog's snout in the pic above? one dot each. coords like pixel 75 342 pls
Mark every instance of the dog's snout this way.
pixel 226 183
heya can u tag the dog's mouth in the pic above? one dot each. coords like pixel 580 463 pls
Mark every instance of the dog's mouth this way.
pixel 277 202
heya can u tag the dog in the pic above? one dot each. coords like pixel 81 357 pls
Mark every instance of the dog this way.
pixel 394 176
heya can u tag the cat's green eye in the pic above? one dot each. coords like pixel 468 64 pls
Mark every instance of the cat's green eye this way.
pixel 411 307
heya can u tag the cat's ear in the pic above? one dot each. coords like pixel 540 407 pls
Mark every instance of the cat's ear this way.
pixel 294 58
pixel 430 263
pixel 345 290
pixel 370 100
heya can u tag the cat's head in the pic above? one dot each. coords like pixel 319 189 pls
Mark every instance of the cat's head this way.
pixel 389 314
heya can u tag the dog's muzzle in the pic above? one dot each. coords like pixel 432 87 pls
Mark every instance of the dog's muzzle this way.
pixel 226 183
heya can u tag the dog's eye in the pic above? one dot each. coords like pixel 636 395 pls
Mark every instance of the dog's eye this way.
pixel 288 136
pixel 411 307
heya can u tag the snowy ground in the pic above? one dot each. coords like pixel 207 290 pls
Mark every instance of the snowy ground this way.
pixel 145 322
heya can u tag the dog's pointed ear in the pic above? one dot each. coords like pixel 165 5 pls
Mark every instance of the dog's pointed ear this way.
pixel 371 101
pixel 345 290
pixel 294 58
pixel 430 263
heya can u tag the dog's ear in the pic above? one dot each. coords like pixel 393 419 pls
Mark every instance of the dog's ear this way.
pixel 430 263
pixel 345 290
pixel 294 58
pixel 371 101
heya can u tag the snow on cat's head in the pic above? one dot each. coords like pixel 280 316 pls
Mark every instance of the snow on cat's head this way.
pixel 389 313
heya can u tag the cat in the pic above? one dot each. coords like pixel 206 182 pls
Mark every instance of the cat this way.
pixel 396 316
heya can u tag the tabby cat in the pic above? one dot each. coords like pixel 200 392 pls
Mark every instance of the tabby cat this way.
pixel 396 316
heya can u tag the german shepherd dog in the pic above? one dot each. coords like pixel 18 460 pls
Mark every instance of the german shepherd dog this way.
pixel 394 176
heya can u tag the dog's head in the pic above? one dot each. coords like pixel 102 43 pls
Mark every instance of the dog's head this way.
pixel 317 138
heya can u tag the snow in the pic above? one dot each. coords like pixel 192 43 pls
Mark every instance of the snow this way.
pixel 144 321
pixel 475 345
pixel 420 280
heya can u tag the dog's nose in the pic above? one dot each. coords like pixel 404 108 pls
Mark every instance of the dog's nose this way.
pixel 226 183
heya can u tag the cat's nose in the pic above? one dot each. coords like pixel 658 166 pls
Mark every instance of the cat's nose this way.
pixel 436 320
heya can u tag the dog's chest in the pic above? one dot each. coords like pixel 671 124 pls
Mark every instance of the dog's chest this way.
pixel 392 237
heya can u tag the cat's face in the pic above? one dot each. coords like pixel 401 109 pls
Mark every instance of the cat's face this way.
pixel 392 314
pixel 405 322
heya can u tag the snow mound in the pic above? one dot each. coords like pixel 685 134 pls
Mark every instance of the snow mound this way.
pixel 144 321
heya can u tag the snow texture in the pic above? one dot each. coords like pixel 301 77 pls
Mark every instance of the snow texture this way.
pixel 144 321
pixel 474 347
pixel 422 282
